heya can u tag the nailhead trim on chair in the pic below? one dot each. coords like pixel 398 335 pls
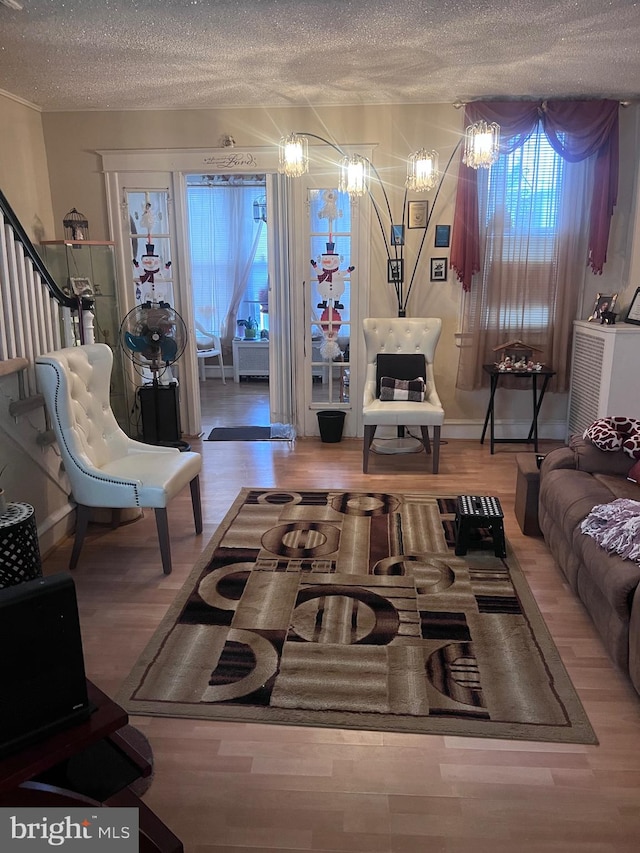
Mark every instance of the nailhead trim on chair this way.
pixel 132 484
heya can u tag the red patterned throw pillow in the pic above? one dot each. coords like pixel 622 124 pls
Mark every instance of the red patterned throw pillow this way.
pixel 616 433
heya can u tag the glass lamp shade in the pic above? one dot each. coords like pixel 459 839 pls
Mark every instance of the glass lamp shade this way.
pixel 422 170
pixel 481 145
pixel 354 175
pixel 294 155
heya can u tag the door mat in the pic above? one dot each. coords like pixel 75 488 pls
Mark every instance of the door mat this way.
pixel 351 610
pixel 275 432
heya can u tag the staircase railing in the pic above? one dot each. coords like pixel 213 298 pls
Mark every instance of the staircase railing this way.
pixel 36 316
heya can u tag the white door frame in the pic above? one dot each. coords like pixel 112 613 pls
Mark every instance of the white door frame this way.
pixel 142 168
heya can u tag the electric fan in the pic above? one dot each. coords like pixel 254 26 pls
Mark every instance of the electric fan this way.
pixel 154 336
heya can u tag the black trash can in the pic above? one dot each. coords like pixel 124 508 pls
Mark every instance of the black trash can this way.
pixel 331 423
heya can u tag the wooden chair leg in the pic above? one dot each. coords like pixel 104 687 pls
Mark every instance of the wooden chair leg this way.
pixel 196 503
pixel 82 523
pixel 425 438
pixel 436 449
pixel 162 523
pixel 369 432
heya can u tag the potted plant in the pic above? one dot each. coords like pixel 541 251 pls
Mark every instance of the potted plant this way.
pixel 250 328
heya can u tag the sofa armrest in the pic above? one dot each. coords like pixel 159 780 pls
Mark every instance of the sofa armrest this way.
pixel 561 457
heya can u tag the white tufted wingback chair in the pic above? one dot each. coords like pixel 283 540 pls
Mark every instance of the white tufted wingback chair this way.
pixel 105 467
pixel 410 336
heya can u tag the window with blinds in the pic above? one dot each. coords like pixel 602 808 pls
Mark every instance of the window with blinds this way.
pixel 521 197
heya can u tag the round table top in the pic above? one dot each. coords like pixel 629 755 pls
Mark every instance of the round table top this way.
pixel 15 513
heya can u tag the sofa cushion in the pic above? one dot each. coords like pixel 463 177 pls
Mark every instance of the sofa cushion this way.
pixel 615 577
pixel 589 458
pixel 619 487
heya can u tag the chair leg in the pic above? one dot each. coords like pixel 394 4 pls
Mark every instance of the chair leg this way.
pixel 196 503
pixel 162 524
pixel 369 432
pixel 202 369
pixel 425 438
pixel 224 381
pixel 436 449
pixel 82 523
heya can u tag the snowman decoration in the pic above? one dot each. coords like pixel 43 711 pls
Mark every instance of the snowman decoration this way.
pixel 331 279
pixel 331 283
pixel 150 262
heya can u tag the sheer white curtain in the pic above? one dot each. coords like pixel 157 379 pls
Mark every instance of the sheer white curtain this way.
pixel 533 234
pixel 224 240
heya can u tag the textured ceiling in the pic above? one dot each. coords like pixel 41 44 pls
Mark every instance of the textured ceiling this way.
pixel 153 54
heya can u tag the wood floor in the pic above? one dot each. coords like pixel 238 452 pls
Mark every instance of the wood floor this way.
pixel 243 787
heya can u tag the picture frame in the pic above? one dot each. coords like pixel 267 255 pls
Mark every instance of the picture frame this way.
pixel 81 286
pixel 633 314
pixel 417 212
pixel 443 236
pixel 439 269
pixel 602 304
pixel 397 235
pixel 395 270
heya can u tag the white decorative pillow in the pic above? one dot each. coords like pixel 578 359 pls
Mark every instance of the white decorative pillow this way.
pixel 406 390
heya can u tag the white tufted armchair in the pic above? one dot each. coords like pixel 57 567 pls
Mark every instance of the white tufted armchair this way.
pixel 105 467
pixel 415 336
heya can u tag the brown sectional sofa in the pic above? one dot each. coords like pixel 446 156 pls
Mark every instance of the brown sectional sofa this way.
pixel 573 480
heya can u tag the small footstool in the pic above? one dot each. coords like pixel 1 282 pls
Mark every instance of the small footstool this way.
pixel 479 511
pixel 527 493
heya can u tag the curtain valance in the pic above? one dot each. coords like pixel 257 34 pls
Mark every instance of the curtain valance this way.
pixel 576 130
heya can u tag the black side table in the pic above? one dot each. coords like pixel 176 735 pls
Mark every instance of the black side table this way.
pixel 19 547
pixel 538 395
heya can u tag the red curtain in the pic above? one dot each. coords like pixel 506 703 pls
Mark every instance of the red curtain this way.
pixel 575 130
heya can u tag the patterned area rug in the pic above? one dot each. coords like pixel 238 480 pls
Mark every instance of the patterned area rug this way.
pixel 350 609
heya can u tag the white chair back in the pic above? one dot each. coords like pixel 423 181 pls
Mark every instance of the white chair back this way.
pixel 399 335
pixel 75 383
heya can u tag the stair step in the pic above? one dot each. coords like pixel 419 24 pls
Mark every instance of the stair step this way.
pixel 23 407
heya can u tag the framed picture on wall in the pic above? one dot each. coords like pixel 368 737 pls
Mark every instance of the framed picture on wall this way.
pixel 395 270
pixel 438 269
pixel 633 314
pixel 443 235
pixel 417 214
pixel 397 235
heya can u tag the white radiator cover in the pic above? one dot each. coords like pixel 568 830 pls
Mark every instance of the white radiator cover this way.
pixel 605 373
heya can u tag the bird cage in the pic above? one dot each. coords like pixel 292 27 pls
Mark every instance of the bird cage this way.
pixel 76 226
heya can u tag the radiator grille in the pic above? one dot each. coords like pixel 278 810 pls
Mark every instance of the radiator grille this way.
pixel 588 354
